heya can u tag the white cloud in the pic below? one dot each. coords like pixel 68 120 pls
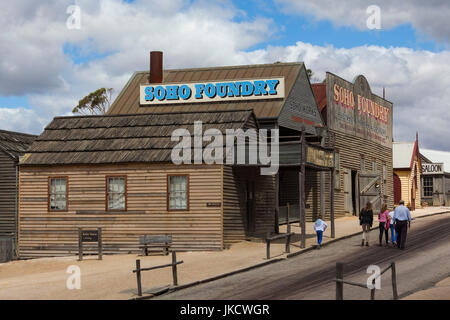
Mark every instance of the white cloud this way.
pixel 428 17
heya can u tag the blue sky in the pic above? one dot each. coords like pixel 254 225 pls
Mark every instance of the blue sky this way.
pixel 47 68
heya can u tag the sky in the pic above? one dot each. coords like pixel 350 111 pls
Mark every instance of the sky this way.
pixel 47 65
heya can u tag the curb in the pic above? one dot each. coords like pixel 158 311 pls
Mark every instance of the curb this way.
pixel 290 255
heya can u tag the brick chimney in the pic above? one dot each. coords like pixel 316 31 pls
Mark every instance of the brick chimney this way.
pixel 156 67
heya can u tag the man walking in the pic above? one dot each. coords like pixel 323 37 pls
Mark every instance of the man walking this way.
pixel 402 220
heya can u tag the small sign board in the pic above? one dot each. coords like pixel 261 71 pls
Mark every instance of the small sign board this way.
pixel 89 235
pixel 214 204
pixel 319 157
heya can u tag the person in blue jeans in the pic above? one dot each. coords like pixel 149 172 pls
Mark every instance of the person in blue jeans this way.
pixel 320 227
pixel 393 233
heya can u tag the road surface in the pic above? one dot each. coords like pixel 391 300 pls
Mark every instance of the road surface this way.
pixel 425 261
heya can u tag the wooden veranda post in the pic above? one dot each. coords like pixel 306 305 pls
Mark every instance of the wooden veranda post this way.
pixel 322 184
pixel 302 190
pixel 277 202
pixel 332 202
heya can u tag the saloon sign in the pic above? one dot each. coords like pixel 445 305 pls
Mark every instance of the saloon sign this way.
pixel 174 93
pixel 432 168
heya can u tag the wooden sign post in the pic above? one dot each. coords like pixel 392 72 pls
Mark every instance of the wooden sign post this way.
pixel 90 236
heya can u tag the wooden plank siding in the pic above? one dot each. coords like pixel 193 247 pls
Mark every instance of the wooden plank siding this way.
pixel 8 194
pixel 351 148
pixel 235 206
pixel 46 233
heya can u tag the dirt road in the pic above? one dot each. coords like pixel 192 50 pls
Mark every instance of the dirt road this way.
pixel 425 261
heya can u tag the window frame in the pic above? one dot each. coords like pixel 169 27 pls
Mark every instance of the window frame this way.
pixel 187 192
pixel 49 209
pixel 107 193
pixel 428 186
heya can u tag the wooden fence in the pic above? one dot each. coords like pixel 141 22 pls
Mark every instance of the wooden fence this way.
pixel 340 282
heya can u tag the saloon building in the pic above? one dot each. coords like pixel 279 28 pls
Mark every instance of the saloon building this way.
pixel 117 171
pixel 435 182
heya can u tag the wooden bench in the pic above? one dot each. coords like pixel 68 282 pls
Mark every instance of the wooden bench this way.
pixel 162 242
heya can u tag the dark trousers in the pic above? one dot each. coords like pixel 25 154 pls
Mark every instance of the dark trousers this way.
pixel 402 228
pixel 385 231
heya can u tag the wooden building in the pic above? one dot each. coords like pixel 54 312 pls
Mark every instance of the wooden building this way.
pixel 407 173
pixel 359 127
pixel 12 146
pixel 435 181
pixel 116 172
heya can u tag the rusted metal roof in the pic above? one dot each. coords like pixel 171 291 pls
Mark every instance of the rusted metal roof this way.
pixel 127 101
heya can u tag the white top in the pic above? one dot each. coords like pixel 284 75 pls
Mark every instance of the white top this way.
pixel 320 225
pixel 391 214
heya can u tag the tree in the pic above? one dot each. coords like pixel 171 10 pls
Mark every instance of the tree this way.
pixel 309 73
pixel 95 103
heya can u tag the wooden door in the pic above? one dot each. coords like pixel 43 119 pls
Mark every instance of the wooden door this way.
pixel 370 190
pixel 348 205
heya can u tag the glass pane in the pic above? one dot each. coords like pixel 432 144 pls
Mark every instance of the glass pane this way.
pixel 178 192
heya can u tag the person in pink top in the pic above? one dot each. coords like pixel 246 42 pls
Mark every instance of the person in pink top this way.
pixel 384 220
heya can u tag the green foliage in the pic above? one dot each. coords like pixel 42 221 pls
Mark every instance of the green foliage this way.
pixel 95 103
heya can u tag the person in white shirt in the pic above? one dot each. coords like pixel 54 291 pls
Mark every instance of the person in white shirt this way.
pixel 393 233
pixel 320 227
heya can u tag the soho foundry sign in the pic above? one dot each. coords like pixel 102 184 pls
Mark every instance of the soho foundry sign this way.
pixel 432 168
pixel 256 89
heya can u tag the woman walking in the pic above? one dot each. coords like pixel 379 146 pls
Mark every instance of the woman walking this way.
pixel 366 220
pixel 383 219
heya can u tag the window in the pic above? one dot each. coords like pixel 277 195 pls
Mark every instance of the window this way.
pixel 337 181
pixel 374 166
pixel 427 186
pixel 116 193
pixel 177 193
pixel 57 194
pixel 384 172
pixel 362 164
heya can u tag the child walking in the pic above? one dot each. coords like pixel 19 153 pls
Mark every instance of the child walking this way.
pixel 320 227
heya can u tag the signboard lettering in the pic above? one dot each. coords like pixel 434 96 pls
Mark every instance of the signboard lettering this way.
pixel 319 157
pixel 272 88
pixel 353 109
pixel 432 168
pixel 89 236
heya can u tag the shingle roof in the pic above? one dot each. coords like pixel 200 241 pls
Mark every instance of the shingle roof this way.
pixel 15 143
pixel 128 99
pixel 123 138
